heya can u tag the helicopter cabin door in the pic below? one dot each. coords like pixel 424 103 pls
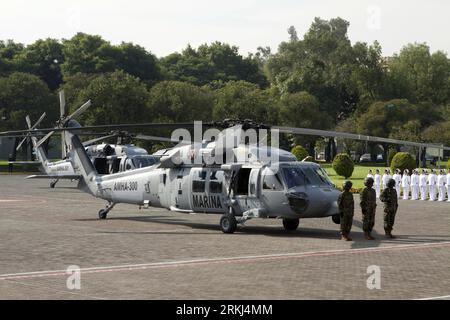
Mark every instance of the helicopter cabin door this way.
pixel 247 190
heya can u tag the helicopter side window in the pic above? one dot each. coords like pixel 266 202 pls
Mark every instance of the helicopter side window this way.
pixel 215 187
pixel 128 165
pixel 272 182
pixel 199 184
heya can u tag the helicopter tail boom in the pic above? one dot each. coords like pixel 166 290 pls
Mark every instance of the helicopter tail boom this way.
pixel 81 162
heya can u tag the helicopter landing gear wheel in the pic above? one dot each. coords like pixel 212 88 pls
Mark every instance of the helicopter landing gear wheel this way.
pixel 290 224
pixel 53 183
pixel 102 214
pixel 336 219
pixel 228 223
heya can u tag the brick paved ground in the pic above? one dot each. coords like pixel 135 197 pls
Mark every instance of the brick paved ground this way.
pixel 156 254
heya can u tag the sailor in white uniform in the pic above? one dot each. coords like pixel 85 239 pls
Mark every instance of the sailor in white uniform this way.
pixel 448 185
pixel 423 181
pixel 398 181
pixel 432 185
pixel 415 185
pixel 384 179
pixel 377 183
pixel 406 182
pixel 441 180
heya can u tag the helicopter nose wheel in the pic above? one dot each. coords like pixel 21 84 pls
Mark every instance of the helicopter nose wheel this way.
pixel 336 218
pixel 290 224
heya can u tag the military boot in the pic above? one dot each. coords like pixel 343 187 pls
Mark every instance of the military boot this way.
pixel 368 236
pixel 389 234
pixel 348 238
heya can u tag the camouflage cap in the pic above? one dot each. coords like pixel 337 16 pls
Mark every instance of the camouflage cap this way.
pixel 391 183
pixel 368 181
pixel 347 185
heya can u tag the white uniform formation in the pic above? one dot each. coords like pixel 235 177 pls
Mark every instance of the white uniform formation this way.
pixel 416 186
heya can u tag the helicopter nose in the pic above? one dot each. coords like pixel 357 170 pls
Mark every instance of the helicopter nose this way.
pixel 298 201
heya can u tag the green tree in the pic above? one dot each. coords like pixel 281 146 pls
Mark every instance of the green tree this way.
pixel 343 165
pixel 174 101
pixel 243 100
pixel 321 64
pixel 135 60
pixel 88 54
pixel 303 110
pixel 116 97
pixel 438 133
pixel 402 161
pixel 24 94
pixel 385 117
pixel 417 75
pixel 42 58
pixel 8 51
pixel 391 154
pixel 368 72
pixel 214 62
pixel 299 152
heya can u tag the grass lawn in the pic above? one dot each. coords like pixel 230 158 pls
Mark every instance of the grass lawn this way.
pixel 360 173
pixel 358 176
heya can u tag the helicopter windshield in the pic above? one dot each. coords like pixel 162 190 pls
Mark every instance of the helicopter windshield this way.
pixel 300 176
pixel 143 161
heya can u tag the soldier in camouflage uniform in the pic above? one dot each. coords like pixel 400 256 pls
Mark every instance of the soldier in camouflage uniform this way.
pixel 389 197
pixel 346 210
pixel 368 207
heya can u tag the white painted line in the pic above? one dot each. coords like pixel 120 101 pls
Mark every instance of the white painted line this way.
pixel 435 298
pixel 239 259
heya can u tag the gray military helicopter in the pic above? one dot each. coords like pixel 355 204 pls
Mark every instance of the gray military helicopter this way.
pixel 107 158
pixel 186 180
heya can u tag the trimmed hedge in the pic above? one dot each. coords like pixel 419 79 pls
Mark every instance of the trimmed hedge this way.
pixel 391 155
pixel 343 165
pixel 299 152
pixel 402 161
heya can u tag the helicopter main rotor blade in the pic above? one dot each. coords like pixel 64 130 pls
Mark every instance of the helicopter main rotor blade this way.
pixel 37 122
pixel 62 104
pixel 155 138
pixel 40 142
pixel 80 110
pixel 21 143
pixel 107 126
pixel 28 120
pixel 92 141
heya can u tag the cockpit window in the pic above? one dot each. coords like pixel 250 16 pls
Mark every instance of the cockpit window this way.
pixel 299 176
pixel 143 161
pixel 324 176
pixel 294 177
